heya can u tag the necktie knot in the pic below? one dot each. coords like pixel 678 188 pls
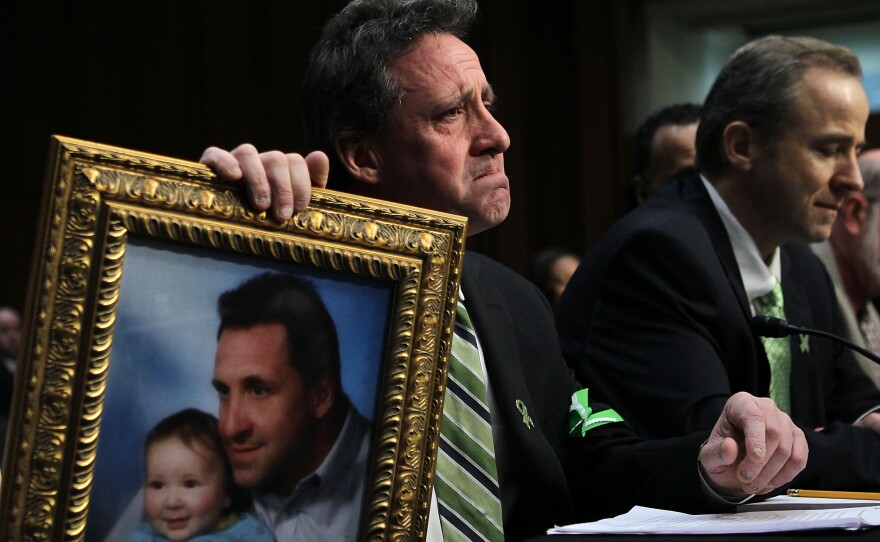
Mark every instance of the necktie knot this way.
pixel 771 303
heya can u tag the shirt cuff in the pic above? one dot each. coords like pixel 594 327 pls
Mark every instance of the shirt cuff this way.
pixel 867 412
pixel 716 500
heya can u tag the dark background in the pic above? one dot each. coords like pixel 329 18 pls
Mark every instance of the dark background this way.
pixel 175 77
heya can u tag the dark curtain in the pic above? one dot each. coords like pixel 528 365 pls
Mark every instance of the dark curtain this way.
pixel 175 77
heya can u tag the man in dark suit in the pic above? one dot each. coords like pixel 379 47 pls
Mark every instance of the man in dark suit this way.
pixel 658 316
pixel 401 104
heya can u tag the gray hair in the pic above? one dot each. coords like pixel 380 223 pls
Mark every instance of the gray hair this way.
pixel 758 85
pixel 349 88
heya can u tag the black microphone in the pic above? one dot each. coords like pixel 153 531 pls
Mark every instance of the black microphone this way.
pixel 768 326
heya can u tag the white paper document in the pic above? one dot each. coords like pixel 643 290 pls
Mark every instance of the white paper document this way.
pixel 642 520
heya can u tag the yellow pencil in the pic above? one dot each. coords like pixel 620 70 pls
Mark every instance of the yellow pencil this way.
pixel 858 495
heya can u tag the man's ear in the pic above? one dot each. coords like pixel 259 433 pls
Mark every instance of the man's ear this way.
pixel 360 158
pixel 739 141
pixel 853 213
pixel 322 396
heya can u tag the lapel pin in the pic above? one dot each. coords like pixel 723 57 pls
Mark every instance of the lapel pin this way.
pixel 525 414
pixel 805 344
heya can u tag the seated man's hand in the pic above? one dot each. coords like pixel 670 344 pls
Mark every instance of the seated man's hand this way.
pixel 753 448
pixel 282 182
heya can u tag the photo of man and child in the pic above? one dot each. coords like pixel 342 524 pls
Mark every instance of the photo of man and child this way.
pixel 240 400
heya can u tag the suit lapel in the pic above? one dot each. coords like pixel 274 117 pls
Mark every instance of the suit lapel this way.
pixel 495 333
pixel 530 472
pixel 696 195
pixel 797 311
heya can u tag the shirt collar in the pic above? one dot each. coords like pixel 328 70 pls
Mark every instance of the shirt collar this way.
pixel 758 278
pixel 338 458
pixel 335 461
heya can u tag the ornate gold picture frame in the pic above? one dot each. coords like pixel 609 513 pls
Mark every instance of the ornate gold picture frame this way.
pixel 123 294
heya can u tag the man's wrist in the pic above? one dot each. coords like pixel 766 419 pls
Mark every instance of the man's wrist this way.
pixel 717 497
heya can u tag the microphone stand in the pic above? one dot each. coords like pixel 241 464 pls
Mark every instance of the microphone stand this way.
pixel 768 326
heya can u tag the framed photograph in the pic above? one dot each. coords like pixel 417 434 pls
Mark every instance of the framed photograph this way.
pixel 143 270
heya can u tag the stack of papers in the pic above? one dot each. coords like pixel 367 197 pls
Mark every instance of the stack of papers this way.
pixel 642 520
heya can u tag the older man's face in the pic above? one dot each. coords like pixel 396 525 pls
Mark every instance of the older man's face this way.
pixel 441 147
pixel 867 256
pixel 868 252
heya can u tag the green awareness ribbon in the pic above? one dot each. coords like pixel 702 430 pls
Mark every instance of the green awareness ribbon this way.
pixel 581 417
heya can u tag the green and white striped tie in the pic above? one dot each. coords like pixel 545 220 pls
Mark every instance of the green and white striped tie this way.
pixel 778 349
pixel 467 478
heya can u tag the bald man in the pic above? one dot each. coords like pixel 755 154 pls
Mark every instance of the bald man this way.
pixel 852 257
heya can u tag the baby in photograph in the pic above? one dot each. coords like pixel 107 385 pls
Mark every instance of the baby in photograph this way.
pixel 189 493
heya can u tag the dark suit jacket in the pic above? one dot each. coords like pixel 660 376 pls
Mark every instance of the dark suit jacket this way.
pixel 609 471
pixel 657 320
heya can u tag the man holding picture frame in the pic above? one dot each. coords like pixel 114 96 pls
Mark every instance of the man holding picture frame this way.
pixel 402 106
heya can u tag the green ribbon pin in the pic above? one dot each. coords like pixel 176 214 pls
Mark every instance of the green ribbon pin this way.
pixel 805 343
pixel 581 417
pixel 527 420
